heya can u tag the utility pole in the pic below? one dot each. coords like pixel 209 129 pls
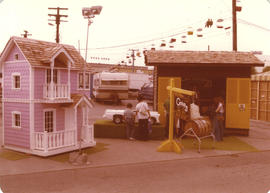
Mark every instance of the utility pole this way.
pixel 57 20
pixel 234 21
pixel 133 57
pixel 26 34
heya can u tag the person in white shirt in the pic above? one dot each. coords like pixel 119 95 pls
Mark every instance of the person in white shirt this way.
pixel 143 114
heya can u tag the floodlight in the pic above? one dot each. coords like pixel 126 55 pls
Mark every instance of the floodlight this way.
pixel 91 11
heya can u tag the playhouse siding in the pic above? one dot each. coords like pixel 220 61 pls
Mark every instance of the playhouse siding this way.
pixel 74 81
pixel 39 116
pixel 23 69
pixel 38 113
pixel 15 50
pixel 60 119
pixel 17 136
pixel 74 87
pixel 39 77
pixel 63 76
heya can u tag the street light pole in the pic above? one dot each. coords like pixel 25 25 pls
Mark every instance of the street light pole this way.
pixel 89 23
pixel 88 14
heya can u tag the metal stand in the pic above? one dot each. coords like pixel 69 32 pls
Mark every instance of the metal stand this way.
pixel 190 132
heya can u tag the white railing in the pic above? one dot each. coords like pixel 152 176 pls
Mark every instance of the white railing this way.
pixel 52 140
pixel 56 91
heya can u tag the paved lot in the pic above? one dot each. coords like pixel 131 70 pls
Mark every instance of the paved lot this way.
pixel 122 151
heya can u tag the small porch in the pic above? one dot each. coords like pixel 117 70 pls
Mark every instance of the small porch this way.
pixel 66 127
pixel 52 143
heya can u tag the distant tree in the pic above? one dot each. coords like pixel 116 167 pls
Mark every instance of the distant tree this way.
pixel 253 70
pixel 266 69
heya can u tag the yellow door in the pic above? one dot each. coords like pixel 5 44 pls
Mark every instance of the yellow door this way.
pixel 238 103
pixel 163 93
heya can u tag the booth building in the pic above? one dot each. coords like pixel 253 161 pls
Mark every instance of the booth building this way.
pixel 211 74
pixel 260 96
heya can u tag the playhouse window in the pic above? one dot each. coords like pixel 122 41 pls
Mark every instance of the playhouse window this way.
pixel 16 119
pixel 16 81
pixel 80 80
pixel 16 56
pixel 49 121
pixel 87 80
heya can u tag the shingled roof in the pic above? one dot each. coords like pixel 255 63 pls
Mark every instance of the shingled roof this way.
pixel 39 53
pixel 201 58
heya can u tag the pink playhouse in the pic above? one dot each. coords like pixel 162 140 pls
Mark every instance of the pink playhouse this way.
pixel 45 104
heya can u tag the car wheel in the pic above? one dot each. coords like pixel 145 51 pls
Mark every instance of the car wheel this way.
pixel 117 119
pixel 153 121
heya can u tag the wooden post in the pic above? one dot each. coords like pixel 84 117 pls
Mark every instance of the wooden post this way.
pixel 170 145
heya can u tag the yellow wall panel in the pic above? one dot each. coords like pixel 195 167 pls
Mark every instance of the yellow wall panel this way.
pixel 238 103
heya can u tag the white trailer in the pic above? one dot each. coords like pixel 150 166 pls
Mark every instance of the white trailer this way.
pixel 110 86
pixel 137 80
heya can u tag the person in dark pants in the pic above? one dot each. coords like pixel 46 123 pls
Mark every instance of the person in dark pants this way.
pixel 143 114
pixel 219 119
pixel 129 118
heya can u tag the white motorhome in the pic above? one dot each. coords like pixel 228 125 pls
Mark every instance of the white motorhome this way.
pixel 110 86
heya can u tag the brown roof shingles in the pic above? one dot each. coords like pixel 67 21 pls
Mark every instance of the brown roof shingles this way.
pixel 39 53
pixel 161 57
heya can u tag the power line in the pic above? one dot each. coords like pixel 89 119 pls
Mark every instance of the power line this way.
pixel 253 25
pixel 147 41
pixel 57 20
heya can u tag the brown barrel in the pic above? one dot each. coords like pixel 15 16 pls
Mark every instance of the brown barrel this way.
pixel 202 126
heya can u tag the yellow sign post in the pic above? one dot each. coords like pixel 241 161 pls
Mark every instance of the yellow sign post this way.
pixel 171 145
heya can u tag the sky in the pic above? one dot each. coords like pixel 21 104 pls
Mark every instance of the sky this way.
pixel 124 25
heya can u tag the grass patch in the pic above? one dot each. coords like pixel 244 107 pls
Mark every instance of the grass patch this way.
pixel 13 155
pixel 229 143
pixel 64 157
pixel 108 129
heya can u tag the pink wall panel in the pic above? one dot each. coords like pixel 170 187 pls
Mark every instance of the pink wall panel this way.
pixel 73 81
pixel 63 76
pixel 74 84
pixel 38 113
pixel 39 116
pixel 60 119
pixel 39 78
pixel 19 137
pixel 15 50
pixel 24 69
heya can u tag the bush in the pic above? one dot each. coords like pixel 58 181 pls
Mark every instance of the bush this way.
pixel 108 129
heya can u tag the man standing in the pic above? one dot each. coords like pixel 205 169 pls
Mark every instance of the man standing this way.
pixel 143 114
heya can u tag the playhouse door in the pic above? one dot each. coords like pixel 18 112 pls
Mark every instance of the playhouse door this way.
pixel 238 103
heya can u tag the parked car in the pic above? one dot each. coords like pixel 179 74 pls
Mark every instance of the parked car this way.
pixel 147 91
pixel 117 116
